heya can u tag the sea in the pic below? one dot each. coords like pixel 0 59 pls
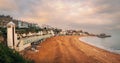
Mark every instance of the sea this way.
pixel 111 44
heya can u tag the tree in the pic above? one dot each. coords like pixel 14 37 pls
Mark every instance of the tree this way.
pixel 57 31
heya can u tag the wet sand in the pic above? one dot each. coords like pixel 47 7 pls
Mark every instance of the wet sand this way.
pixel 69 49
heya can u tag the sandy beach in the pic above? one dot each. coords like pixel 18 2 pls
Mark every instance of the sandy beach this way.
pixel 69 49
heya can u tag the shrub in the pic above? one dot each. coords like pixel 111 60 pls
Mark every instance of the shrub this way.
pixel 11 56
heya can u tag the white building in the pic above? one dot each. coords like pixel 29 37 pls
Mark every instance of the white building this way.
pixel 22 24
pixel 11 35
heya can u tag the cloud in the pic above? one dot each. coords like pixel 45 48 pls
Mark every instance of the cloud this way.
pixel 7 5
pixel 65 13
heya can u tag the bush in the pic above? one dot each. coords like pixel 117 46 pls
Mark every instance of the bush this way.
pixel 11 56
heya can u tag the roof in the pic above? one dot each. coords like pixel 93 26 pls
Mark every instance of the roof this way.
pixel 10 23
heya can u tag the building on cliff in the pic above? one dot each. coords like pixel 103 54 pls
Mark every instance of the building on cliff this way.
pixel 19 24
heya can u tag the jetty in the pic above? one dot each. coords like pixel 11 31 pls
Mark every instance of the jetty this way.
pixel 103 35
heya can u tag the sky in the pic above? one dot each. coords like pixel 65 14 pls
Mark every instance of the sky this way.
pixel 89 15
